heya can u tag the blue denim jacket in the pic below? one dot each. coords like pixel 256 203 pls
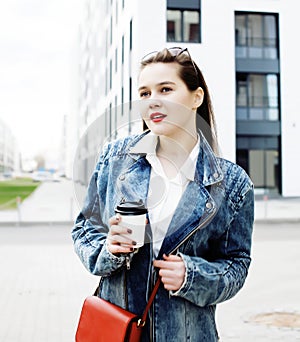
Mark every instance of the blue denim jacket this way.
pixel 211 230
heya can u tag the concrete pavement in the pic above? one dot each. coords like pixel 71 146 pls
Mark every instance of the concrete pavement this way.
pixel 272 287
pixel 43 284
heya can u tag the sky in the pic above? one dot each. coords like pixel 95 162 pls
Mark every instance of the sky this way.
pixel 37 44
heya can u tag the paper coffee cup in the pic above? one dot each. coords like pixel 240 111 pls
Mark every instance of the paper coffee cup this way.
pixel 133 217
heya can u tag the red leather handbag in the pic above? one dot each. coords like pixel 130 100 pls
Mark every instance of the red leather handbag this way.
pixel 103 321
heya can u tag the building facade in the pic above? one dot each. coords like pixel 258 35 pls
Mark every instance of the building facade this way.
pixel 9 154
pixel 245 49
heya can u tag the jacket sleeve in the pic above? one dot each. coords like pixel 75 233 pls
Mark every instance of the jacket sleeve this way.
pixel 89 233
pixel 212 282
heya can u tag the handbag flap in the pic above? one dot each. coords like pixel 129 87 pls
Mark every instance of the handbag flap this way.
pixel 101 320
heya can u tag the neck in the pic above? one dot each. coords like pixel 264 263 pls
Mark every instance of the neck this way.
pixel 177 149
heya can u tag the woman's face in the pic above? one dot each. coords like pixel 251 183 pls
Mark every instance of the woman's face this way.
pixel 168 106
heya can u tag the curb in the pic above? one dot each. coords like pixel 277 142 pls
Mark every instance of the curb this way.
pixel 36 223
pixel 71 223
pixel 291 220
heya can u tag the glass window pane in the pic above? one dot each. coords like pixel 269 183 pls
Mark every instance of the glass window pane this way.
pixel 262 166
pixel 270 30
pixel 241 96
pixel 273 114
pixel 191 26
pixel 272 90
pixel 270 37
pixel 240 30
pixel 256 90
pixel 256 167
pixel 256 113
pixel 242 113
pixel 174 26
pixel 255 52
pixel 255 30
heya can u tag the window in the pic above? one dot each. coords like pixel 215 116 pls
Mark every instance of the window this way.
pixel 111 30
pixel 116 60
pixel 110 74
pixel 122 101
pixel 183 21
pixel 110 121
pixel 262 166
pixel 123 47
pixel 130 35
pixel 257 97
pixel 116 117
pixel 256 35
pixel 130 91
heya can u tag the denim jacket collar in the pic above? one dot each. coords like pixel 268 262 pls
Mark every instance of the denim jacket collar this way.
pixel 208 170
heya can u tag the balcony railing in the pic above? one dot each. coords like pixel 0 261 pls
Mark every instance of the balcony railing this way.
pixel 253 47
pixel 257 108
pixel 257 113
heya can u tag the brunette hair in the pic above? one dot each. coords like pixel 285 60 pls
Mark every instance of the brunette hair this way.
pixel 191 75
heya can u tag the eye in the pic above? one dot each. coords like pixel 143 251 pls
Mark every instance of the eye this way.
pixel 166 89
pixel 144 94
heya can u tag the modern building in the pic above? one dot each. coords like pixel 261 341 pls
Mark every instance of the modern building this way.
pixel 246 51
pixel 9 154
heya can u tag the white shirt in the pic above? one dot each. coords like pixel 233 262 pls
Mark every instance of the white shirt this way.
pixel 164 194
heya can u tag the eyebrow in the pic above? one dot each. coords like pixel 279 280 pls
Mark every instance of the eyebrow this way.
pixel 158 84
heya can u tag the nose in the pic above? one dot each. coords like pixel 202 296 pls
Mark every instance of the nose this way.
pixel 154 103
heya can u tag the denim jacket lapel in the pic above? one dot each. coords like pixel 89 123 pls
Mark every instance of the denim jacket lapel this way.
pixel 133 183
pixel 194 209
pixel 197 206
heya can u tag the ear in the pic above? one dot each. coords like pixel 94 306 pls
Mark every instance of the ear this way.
pixel 198 97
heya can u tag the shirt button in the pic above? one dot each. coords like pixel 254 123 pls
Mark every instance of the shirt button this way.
pixel 208 205
pixel 216 175
pixel 122 177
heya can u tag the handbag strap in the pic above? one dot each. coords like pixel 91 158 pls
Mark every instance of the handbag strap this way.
pixel 142 320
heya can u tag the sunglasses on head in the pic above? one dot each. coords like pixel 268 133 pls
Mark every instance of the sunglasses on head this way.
pixel 175 52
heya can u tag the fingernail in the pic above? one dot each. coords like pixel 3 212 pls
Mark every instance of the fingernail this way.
pixel 134 243
pixel 131 249
pixel 129 231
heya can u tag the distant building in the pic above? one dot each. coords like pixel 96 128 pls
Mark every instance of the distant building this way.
pixel 246 50
pixel 9 153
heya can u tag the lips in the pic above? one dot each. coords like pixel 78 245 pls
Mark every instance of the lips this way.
pixel 157 117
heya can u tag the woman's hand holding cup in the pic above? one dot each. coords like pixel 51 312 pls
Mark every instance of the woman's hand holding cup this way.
pixel 127 227
pixel 118 238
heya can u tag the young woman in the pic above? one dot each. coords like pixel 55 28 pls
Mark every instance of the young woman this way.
pixel 200 206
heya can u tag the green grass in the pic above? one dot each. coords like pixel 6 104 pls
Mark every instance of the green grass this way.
pixel 11 189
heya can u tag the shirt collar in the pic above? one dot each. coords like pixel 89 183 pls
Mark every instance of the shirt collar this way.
pixel 189 166
pixel 147 145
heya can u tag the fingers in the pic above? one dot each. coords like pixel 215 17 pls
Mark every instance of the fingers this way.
pixel 171 271
pixel 168 262
pixel 114 219
pixel 118 238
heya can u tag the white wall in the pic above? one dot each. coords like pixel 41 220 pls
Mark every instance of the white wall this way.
pixel 290 97
pixel 217 62
pixel 216 58
pixel 150 31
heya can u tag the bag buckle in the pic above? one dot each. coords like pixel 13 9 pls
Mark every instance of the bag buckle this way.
pixel 141 323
